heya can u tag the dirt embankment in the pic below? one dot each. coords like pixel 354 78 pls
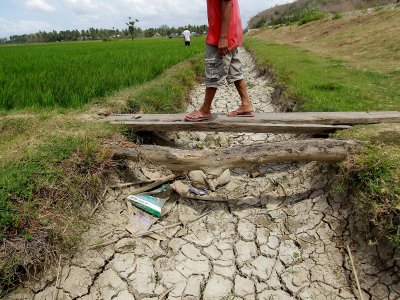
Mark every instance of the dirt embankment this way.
pixel 367 40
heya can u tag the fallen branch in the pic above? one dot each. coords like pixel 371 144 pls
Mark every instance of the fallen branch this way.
pixel 108 243
pixel 355 272
pixel 129 184
pixel 163 295
pixel 55 294
pixel 178 160
pixel 304 240
pixel 122 185
pixel 99 200
pixel 152 185
pixel 96 206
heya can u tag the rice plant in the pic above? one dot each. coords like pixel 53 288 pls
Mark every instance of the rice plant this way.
pixel 72 74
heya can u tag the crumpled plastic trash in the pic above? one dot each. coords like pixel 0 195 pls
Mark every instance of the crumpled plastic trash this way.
pixel 200 192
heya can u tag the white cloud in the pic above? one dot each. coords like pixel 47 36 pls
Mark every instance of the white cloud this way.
pixel 153 13
pixel 87 7
pixel 82 14
pixel 40 5
pixel 8 27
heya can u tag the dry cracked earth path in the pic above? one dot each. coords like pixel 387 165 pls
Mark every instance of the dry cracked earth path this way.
pixel 292 247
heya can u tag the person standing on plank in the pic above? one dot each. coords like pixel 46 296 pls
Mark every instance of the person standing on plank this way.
pixel 186 36
pixel 222 62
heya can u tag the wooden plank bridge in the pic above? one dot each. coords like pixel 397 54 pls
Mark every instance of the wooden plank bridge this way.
pixel 179 160
pixel 293 122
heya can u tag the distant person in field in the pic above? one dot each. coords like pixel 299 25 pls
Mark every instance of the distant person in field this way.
pixel 186 36
pixel 222 62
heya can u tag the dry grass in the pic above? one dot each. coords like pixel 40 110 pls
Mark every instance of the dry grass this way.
pixel 17 135
pixel 366 41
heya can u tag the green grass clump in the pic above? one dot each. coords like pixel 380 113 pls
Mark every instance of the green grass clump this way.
pixel 373 175
pixel 337 15
pixel 376 177
pixel 378 7
pixel 292 15
pixel 326 84
pixel 311 15
pixel 69 75
pixel 168 93
pixel 41 192
pixel 48 181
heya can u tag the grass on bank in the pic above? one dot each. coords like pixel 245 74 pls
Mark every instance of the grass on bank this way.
pixel 363 40
pixel 315 83
pixel 167 94
pixel 374 176
pixel 53 168
pixel 49 179
pixel 318 83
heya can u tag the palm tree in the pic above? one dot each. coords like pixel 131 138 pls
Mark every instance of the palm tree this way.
pixel 131 26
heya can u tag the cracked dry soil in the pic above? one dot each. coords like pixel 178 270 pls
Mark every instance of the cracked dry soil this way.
pixel 291 248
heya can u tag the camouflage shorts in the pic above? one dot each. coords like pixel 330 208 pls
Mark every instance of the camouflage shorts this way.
pixel 218 68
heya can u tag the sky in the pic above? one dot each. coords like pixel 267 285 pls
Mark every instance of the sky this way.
pixel 30 16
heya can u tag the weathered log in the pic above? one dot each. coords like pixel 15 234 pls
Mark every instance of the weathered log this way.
pixel 178 160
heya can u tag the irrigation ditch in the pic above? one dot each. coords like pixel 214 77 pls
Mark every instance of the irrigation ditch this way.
pixel 281 231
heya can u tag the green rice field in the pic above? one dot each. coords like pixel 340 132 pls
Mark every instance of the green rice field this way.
pixel 64 75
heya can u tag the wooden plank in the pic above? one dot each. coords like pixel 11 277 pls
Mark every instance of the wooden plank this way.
pixel 327 118
pixel 232 127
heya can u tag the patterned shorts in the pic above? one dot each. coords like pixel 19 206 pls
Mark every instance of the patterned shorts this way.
pixel 218 68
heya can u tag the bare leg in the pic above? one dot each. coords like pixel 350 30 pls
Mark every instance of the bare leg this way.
pixel 242 90
pixel 208 99
pixel 205 110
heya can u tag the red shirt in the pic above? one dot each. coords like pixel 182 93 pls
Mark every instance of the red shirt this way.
pixel 214 12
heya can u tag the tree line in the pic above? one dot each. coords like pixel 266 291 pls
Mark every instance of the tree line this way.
pixel 101 34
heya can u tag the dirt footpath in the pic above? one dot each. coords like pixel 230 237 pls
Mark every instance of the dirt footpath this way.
pixel 290 247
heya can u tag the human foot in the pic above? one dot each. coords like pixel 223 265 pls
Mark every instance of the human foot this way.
pixel 242 112
pixel 197 116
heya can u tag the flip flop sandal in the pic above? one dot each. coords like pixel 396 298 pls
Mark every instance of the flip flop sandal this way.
pixel 198 119
pixel 236 113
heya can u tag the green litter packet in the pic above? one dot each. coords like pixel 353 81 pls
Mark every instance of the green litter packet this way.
pixel 150 204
